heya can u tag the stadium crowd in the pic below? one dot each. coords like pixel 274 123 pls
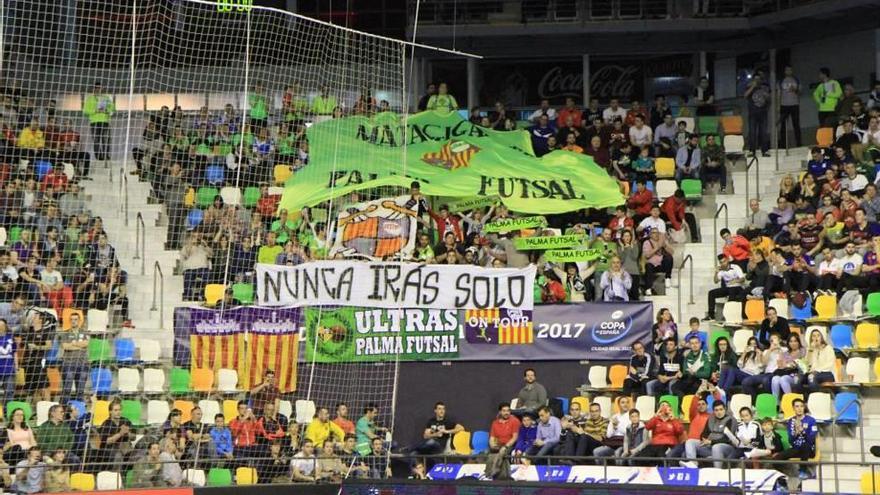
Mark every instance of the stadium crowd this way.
pixel 821 239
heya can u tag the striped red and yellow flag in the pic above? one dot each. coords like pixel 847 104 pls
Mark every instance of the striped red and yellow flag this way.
pixel 278 352
pixel 218 351
pixel 489 314
pixel 516 334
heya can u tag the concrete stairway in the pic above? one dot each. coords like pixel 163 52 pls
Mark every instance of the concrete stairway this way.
pixel 106 200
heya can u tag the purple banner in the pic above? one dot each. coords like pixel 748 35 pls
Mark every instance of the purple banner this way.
pixel 590 331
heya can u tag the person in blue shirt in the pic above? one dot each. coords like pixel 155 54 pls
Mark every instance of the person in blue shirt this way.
pixel 818 164
pixel 8 362
pixel 539 133
pixel 526 437
pixel 802 432
pixel 548 434
pixel 222 438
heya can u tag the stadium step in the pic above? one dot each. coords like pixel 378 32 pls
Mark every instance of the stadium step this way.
pixel 815 486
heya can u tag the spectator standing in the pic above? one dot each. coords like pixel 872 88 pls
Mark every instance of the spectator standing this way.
pixel 442 101
pixel 704 98
pixel 569 110
pixel 532 395
pixel 98 107
pixel 264 392
pixel 544 110
pixel 8 361
pixel 757 97
pixel 827 95
pixel 430 91
pixel 789 107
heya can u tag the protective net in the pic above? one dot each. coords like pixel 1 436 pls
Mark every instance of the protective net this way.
pixel 145 148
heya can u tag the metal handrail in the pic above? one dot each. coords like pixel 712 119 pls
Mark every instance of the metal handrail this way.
pixel 123 189
pixel 855 400
pixel 688 258
pixel 723 206
pixel 158 269
pixel 753 161
pixel 140 242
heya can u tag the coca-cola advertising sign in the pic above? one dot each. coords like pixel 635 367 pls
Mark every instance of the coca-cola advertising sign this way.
pixel 526 83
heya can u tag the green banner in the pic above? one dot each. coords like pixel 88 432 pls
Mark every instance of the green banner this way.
pixel 448 156
pixel 511 224
pixel 564 255
pixel 468 204
pixel 350 334
pixel 549 242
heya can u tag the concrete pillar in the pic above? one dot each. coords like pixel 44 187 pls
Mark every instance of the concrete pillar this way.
pixel 703 64
pixel 473 97
pixel 586 76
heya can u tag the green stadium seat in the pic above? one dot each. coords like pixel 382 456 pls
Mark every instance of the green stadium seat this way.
pixel 873 304
pixel 205 196
pixel 131 410
pixel 179 381
pixel 14 235
pixel 766 406
pixel 100 351
pixel 129 478
pixel 219 477
pixel 783 435
pixel 707 125
pixel 673 403
pixel 251 197
pixel 17 404
pixel 243 292
pixel 692 189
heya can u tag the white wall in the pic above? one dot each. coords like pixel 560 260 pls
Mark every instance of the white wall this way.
pixel 850 55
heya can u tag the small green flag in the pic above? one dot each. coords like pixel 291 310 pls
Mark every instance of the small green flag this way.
pixel 564 255
pixel 510 224
pixel 467 204
pixel 549 242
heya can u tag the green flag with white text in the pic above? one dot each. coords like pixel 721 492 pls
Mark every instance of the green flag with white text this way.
pixel 449 156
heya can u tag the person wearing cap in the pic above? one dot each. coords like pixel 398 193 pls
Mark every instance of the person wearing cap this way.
pixel 98 107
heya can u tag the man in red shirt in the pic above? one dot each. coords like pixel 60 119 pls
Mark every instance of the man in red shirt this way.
pixel 699 415
pixel 245 430
pixel 268 203
pixel 570 110
pixel 665 431
pixel 447 223
pixel 504 430
pixel 736 248
pixel 342 420
pixel 640 201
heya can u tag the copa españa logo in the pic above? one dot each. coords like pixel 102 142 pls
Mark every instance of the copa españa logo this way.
pixel 612 329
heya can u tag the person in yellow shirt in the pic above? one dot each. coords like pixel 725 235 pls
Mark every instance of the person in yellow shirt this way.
pixel 321 428
pixel 32 142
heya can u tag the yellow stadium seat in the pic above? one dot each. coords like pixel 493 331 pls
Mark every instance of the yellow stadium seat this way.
pixel 100 412
pixel 868 335
pixel 230 410
pixel 824 136
pixel 82 482
pixel 461 443
pixel 786 404
pixel 581 401
pixel 186 407
pixel 617 374
pixel 870 482
pixel 826 307
pixel 214 294
pixel 664 167
pixel 686 402
pixel 202 379
pixel 282 173
pixel 245 476
pixel 189 199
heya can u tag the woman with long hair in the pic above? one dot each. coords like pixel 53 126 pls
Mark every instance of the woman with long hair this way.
pixel 19 438
pixel 748 371
pixel 628 251
pixel 820 363
pixel 788 373
pixel 723 360
pixel 664 328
